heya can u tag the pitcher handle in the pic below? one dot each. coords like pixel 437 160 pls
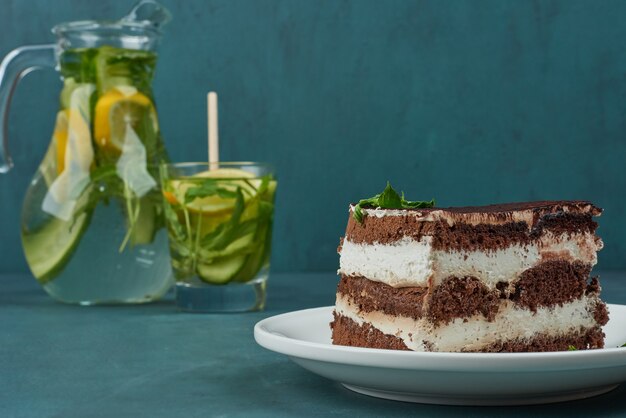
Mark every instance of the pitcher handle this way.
pixel 14 66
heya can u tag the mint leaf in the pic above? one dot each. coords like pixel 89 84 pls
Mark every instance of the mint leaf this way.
pixel 227 232
pixel 571 348
pixel 265 210
pixel 417 204
pixel 623 345
pixel 234 229
pixel 173 221
pixel 265 181
pixel 389 199
pixel 358 212
pixel 207 189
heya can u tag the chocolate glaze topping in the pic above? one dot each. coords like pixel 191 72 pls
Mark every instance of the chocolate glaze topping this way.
pixel 539 206
pixel 478 227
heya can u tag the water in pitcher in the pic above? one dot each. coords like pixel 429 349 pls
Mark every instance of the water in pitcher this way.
pixel 92 221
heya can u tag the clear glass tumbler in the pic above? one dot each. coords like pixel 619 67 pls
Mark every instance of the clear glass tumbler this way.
pixel 219 218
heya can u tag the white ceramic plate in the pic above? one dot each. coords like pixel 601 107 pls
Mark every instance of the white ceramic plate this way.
pixel 449 378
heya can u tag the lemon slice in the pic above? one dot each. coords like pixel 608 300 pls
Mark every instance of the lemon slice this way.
pixel 67 120
pixel 60 138
pixel 226 173
pixel 229 179
pixel 53 163
pixel 114 111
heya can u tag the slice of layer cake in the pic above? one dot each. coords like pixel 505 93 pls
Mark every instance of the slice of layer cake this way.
pixel 509 278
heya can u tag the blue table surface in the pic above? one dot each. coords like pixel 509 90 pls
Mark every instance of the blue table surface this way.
pixel 151 360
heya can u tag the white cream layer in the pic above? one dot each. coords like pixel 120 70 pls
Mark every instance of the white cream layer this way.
pixel 474 333
pixel 408 262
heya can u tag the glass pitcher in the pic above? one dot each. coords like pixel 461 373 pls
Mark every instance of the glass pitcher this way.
pixel 92 221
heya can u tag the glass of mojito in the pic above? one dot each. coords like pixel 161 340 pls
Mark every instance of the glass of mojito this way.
pixel 219 220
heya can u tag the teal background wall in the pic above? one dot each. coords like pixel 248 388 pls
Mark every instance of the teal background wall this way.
pixel 470 102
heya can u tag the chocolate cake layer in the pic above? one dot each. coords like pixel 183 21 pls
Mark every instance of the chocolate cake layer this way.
pixel 583 340
pixel 601 314
pixel 464 236
pixel 375 296
pixel 347 332
pixel 550 283
pixel 462 297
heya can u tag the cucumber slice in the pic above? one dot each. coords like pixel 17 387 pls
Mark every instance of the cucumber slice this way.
pixel 144 228
pixel 241 246
pixel 50 249
pixel 221 271
pixel 262 240
pixel 255 260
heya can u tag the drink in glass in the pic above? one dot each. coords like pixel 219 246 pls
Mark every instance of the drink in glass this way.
pixel 219 218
